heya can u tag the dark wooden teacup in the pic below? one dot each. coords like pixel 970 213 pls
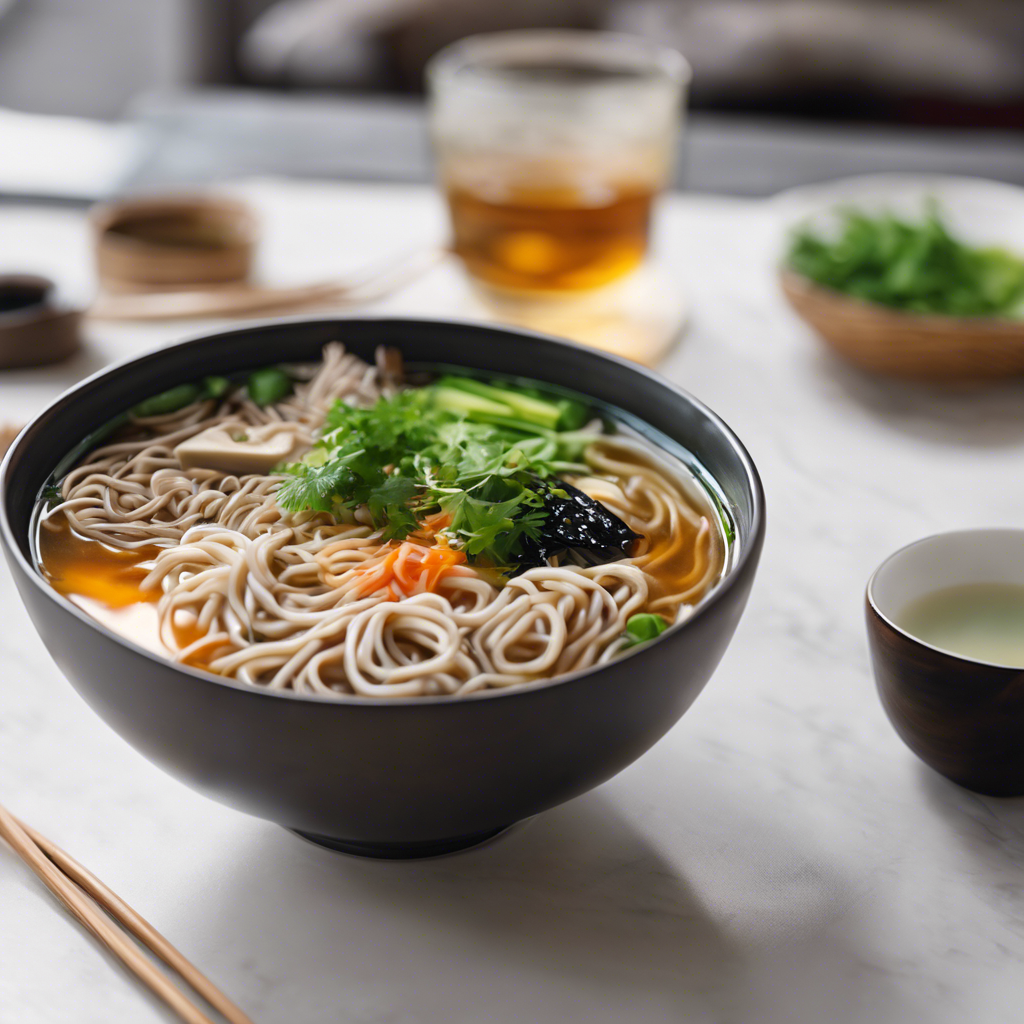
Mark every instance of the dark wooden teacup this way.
pixel 963 717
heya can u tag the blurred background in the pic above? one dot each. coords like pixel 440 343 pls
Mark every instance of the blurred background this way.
pixel 332 87
pixel 943 62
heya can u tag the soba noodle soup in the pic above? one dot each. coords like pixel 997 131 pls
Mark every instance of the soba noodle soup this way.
pixel 206 529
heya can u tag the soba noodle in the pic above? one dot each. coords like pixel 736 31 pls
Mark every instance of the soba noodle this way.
pixel 300 601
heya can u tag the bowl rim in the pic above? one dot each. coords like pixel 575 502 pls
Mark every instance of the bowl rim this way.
pixel 660 61
pixel 916 640
pixel 812 198
pixel 20 315
pixel 747 551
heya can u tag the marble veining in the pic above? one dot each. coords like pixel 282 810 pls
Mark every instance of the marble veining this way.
pixel 778 857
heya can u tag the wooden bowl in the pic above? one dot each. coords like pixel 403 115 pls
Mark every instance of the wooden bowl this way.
pixel 913 345
pixel 173 241
pixel 908 345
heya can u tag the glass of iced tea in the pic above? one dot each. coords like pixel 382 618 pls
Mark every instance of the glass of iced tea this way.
pixel 551 148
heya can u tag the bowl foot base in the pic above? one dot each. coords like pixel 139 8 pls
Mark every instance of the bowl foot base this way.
pixel 402 851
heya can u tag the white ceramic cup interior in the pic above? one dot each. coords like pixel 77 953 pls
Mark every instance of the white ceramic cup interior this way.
pixel 945 560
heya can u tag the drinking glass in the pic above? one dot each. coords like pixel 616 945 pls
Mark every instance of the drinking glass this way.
pixel 551 148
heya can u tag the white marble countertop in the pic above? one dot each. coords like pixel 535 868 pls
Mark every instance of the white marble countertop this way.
pixel 778 857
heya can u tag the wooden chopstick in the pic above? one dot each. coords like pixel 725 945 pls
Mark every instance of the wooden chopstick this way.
pixel 139 927
pixel 250 300
pixel 70 882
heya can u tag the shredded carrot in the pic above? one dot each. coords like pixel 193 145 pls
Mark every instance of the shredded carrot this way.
pixel 409 568
pixel 435 523
pixel 437 563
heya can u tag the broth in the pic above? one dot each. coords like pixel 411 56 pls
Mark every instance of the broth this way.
pixel 106 582
pixel 240 569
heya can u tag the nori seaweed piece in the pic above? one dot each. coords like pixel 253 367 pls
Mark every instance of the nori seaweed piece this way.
pixel 576 524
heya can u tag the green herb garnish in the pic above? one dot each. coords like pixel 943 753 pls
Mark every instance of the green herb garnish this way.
pixel 476 453
pixel 917 267
pixel 642 628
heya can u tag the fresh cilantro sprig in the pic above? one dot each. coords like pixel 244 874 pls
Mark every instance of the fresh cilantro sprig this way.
pixel 413 455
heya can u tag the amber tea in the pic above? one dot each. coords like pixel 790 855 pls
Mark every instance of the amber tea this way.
pixel 550 237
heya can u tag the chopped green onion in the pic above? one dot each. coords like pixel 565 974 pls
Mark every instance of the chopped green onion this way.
pixel 167 401
pixel 466 403
pixel 268 386
pixel 643 627
pixel 572 414
pixel 533 410
pixel 216 387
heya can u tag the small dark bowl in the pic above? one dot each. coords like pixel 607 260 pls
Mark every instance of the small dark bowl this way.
pixel 35 329
pixel 961 716
pixel 397 777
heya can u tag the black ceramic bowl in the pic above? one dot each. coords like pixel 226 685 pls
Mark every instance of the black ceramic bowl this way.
pixel 397 777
